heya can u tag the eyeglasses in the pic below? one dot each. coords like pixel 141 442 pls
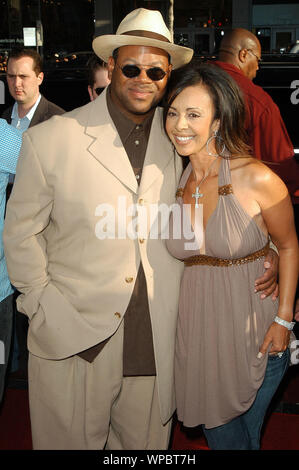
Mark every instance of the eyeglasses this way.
pixel 99 90
pixel 259 60
pixel 133 71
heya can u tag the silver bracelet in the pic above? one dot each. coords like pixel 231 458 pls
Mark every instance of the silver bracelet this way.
pixel 287 324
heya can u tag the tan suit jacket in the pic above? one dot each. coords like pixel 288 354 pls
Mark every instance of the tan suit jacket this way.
pixel 75 286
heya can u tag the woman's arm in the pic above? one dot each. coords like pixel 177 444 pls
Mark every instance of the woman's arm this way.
pixel 277 212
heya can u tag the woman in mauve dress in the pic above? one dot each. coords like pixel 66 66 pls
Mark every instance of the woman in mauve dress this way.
pixel 232 346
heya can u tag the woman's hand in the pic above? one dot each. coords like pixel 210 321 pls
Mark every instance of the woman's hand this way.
pixel 278 337
pixel 267 283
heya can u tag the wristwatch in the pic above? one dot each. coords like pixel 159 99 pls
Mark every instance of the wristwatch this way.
pixel 287 324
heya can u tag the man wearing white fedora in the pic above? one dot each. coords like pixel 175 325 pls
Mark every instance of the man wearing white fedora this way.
pixel 101 297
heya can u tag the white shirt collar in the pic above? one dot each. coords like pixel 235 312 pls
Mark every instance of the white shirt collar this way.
pixel 29 115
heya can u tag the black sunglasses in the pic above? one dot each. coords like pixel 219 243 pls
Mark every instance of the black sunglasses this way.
pixel 99 90
pixel 132 71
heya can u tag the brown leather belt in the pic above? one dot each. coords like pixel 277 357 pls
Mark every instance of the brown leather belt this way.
pixel 212 261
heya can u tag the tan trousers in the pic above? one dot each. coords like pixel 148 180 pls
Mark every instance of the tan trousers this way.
pixel 76 405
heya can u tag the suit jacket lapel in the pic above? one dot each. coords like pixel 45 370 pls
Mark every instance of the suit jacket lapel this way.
pixel 40 112
pixel 107 147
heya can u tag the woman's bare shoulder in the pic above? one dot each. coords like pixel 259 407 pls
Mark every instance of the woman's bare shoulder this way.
pixel 252 172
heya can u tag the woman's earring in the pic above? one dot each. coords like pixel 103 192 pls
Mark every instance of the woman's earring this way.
pixel 220 142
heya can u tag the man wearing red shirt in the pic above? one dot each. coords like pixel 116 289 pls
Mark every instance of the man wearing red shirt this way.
pixel 239 55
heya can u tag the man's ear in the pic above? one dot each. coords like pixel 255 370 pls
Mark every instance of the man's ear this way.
pixel 242 55
pixel 90 92
pixel 40 78
pixel 110 66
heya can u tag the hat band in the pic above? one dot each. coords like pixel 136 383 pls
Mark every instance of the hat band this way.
pixel 146 34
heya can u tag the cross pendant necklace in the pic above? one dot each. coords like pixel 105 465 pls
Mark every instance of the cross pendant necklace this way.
pixel 197 195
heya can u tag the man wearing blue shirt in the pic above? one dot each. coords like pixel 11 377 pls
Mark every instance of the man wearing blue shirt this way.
pixel 10 144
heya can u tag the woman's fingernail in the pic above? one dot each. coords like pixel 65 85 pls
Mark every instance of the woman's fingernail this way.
pixel 263 296
pixel 267 264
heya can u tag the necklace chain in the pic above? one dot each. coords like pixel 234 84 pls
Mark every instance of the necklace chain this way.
pixel 197 194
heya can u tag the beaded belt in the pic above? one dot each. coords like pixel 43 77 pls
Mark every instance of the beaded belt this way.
pixel 212 261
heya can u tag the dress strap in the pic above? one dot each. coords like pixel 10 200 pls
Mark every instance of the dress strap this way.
pixel 225 190
pixel 224 178
pixel 183 181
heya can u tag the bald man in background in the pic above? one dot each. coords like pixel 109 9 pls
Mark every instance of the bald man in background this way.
pixel 239 55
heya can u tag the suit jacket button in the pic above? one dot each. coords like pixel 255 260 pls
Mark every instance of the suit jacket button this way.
pixel 117 314
pixel 129 279
pixel 141 240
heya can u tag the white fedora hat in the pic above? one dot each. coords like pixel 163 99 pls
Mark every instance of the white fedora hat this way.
pixel 142 27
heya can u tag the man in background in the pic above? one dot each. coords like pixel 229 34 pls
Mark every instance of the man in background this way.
pixel 24 77
pixel 240 55
pixel 97 76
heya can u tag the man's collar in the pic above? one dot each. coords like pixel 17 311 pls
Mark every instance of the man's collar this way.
pixel 29 115
pixel 229 66
pixel 124 125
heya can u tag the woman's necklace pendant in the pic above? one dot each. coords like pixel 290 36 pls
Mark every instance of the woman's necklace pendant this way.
pixel 196 196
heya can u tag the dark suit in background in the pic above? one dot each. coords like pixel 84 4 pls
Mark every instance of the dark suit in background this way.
pixel 44 111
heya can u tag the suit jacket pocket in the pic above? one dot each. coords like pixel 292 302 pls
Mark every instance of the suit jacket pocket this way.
pixel 58 330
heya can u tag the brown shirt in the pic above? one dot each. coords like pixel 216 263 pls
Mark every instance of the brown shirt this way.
pixel 138 352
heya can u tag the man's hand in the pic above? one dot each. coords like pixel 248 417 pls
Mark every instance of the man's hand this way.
pixel 267 283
